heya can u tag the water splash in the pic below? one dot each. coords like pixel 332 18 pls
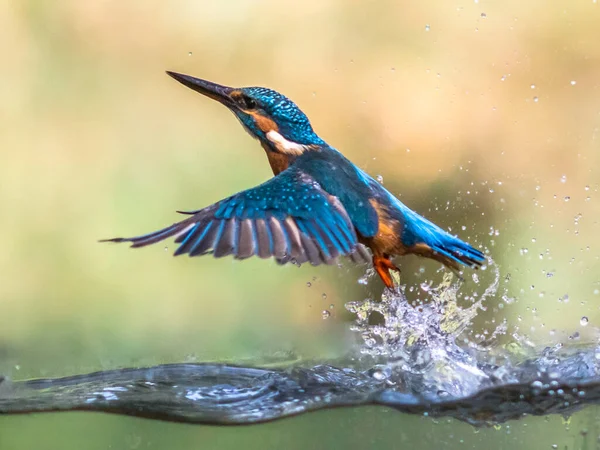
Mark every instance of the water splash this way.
pixel 417 345
pixel 417 358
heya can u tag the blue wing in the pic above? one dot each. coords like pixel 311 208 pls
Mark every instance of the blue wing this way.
pixel 289 217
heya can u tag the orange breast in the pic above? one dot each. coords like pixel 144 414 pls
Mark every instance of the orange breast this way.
pixel 387 240
pixel 278 161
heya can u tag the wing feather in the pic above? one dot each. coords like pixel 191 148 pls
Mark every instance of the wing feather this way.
pixel 280 239
pixel 265 243
pixel 224 242
pixel 206 238
pixel 246 244
pixel 290 217
pixel 311 250
pixel 297 252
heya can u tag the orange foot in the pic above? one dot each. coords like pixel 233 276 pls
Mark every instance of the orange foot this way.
pixel 383 265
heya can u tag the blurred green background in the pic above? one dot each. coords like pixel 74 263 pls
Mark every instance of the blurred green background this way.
pixel 482 115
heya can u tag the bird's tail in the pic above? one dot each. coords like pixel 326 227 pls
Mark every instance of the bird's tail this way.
pixel 454 252
pixel 431 241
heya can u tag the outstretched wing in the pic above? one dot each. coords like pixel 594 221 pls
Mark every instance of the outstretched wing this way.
pixel 289 217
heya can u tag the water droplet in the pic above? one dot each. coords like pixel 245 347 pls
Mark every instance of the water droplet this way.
pixel 325 314
pixel 575 336
pixel 533 239
pixel 573 82
pixel 532 86
pixel 537 188
pixel 535 99
pixel 554 445
pixel 483 15
pixel 427 27
pixel 324 296
pixel 379 375
pixel 584 321
pixel 190 53
pixel 380 179
pixel 567 198
pixel 166 248
pixel 331 306
pixel 587 188
pixel 463 228
pixel 308 284
pixel 563 179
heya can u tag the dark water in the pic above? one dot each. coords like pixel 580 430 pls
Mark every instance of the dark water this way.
pixel 419 358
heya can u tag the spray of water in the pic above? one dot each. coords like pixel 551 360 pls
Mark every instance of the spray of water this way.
pixel 424 345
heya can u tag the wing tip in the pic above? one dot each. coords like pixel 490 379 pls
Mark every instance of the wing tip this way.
pixel 116 240
pixel 121 240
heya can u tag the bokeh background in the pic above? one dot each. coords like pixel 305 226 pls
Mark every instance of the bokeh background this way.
pixel 482 115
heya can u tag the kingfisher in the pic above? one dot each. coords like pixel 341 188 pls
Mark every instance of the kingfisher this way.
pixel 317 207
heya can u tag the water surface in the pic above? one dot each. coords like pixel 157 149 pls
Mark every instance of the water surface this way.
pixel 419 357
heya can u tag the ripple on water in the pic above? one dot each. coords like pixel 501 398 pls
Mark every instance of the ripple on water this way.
pixel 418 358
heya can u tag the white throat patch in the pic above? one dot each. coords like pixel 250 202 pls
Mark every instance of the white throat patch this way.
pixel 283 145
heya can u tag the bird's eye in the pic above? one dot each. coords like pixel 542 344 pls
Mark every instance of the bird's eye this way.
pixel 247 102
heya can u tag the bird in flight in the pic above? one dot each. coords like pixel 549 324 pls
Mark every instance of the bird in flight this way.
pixel 317 207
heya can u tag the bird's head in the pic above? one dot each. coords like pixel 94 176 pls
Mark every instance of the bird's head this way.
pixel 266 114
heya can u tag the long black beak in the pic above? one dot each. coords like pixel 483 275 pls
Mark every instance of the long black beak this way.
pixel 213 90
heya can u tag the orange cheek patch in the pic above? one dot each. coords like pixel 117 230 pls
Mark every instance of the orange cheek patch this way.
pixel 264 123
